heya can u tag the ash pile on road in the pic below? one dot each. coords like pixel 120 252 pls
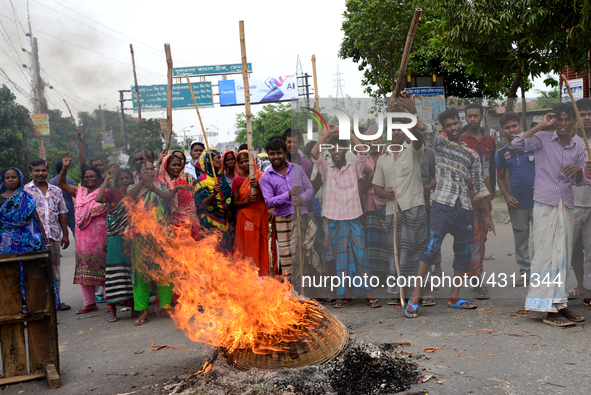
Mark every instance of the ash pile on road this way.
pixel 364 368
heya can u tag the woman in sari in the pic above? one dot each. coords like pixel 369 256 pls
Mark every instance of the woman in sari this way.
pixel 20 229
pixel 183 175
pixel 182 206
pixel 229 168
pixel 151 195
pixel 118 286
pixel 252 224
pixel 213 197
pixel 91 232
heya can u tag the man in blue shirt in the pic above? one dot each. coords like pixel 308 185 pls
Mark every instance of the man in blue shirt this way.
pixel 521 166
pixel 71 214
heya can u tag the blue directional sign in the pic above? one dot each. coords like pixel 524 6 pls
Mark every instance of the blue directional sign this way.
pixel 153 97
pixel 210 70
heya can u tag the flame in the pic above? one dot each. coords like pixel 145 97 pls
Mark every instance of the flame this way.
pixel 222 301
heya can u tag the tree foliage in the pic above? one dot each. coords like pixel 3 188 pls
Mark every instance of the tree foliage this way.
pixel 502 41
pixel 18 146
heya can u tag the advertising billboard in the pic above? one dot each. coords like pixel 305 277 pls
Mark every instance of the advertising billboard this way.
pixel 262 90
pixel 40 124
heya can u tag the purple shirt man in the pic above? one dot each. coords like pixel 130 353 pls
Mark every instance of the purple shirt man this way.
pixel 551 157
pixel 276 189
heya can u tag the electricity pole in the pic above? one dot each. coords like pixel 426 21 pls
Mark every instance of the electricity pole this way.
pixel 122 100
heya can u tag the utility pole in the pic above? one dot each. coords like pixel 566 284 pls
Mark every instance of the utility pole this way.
pixel 303 85
pixel 123 128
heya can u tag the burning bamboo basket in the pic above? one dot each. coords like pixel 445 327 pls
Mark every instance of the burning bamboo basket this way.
pixel 323 339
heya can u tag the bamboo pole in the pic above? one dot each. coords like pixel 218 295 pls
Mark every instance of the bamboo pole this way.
pixel 396 258
pixel 301 250
pixel 411 33
pixel 169 98
pixel 70 111
pixel 137 98
pixel 247 107
pixel 316 90
pixel 579 120
pixel 201 122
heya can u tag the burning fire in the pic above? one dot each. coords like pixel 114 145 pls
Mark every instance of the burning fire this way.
pixel 222 302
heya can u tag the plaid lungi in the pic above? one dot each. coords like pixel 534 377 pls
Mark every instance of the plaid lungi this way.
pixel 348 246
pixel 377 245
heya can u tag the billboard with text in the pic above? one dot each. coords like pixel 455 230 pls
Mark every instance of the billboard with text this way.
pixel 262 90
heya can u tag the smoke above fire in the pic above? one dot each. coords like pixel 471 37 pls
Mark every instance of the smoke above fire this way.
pixel 222 302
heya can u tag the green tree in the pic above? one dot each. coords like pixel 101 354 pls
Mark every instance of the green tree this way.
pixel 513 41
pixel 19 147
pixel 546 99
pixel 375 36
pixel 272 119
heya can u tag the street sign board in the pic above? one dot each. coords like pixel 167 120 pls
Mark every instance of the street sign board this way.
pixel 210 70
pixel 153 97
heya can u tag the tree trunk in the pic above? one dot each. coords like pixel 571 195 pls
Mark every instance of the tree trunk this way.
pixel 513 91
pixel 523 106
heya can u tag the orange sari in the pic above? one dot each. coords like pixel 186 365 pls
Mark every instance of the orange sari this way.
pixel 252 230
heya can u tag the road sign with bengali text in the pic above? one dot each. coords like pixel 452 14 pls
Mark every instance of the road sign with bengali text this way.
pixel 210 70
pixel 153 97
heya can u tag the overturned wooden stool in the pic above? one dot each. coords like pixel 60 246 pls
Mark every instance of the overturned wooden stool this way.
pixel 28 341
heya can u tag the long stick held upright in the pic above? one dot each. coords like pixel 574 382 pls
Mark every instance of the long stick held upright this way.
pixel 316 95
pixel 139 106
pixel 411 34
pixel 579 120
pixel 247 107
pixel 201 122
pixel 169 98
pixel 70 111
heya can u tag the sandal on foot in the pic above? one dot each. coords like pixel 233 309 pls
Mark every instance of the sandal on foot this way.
pixel 571 316
pixel 343 303
pixel 111 318
pixel 522 282
pixel 427 301
pixel 459 305
pixel 373 303
pixel 558 321
pixel 574 294
pixel 394 302
pixel 141 321
pixel 328 301
pixel 87 309
pixel 587 303
pixel 482 293
pixel 415 309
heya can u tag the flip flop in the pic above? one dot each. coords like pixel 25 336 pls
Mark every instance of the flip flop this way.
pixel 425 303
pixel 570 316
pixel 111 318
pixel 415 309
pixel 142 321
pixel 458 305
pixel 563 322
pixel 374 303
pixel 587 304
pixel 394 302
pixel 87 309
pixel 343 303
pixel 482 293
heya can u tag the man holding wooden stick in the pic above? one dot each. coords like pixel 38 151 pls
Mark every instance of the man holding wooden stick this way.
pixel 398 178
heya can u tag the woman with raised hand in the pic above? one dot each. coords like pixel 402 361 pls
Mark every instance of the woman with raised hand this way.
pixel 151 195
pixel 182 205
pixel 252 218
pixel 213 198
pixel 118 286
pixel 91 232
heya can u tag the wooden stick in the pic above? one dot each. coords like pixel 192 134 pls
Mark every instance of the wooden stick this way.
pixel 169 98
pixel 411 33
pixel 201 122
pixel 247 107
pixel 316 90
pixel 579 120
pixel 300 242
pixel 396 261
pixel 70 111
pixel 139 106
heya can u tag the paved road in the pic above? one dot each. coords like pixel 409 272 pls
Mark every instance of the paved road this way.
pixel 98 357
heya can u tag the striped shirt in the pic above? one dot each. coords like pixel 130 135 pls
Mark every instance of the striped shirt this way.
pixel 550 185
pixel 455 165
pixel 342 188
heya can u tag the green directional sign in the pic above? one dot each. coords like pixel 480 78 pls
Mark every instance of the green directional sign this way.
pixel 153 97
pixel 210 70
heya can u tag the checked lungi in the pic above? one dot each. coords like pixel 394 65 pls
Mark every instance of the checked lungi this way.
pixel 411 236
pixel 288 247
pixel 478 243
pixel 348 245
pixel 377 245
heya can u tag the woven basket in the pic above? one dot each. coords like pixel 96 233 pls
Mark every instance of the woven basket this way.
pixel 326 339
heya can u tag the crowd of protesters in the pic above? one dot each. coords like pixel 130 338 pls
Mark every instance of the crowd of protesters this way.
pixel 329 211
